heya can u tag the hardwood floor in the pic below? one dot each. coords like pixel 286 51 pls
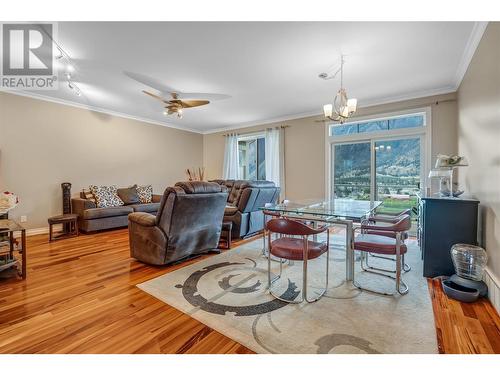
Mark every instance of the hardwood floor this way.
pixel 464 328
pixel 80 297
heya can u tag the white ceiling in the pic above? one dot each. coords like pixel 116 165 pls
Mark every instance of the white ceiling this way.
pixel 270 70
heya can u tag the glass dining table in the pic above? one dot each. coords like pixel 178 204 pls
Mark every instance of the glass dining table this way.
pixel 339 211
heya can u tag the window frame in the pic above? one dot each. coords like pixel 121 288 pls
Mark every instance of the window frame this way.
pixel 425 132
pixel 250 137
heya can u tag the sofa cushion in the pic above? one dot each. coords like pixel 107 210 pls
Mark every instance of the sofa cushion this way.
pixel 87 194
pixel 129 195
pixel 97 213
pixel 145 193
pixel 106 196
pixel 145 207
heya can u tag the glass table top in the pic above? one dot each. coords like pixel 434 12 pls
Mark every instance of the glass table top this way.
pixel 340 207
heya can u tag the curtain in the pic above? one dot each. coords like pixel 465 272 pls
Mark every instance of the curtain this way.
pixel 275 160
pixel 231 166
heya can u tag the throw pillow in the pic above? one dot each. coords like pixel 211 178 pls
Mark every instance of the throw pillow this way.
pixel 145 193
pixel 86 194
pixel 106 196
pixel 129 195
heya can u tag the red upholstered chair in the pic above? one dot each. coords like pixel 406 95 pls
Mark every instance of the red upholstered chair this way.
pixel 385 220
pixel 389 243
pixel 296 248
pixel 267 215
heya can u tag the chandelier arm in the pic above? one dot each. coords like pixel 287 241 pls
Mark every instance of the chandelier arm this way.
pixel 341 71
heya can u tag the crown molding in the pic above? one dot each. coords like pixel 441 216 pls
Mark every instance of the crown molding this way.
pixel 33 95
pixel 470 48
pixel 263 122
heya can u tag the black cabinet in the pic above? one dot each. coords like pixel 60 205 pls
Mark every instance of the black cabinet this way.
pixel 442 223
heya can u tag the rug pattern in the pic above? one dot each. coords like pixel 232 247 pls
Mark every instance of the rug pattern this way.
pixel 227 292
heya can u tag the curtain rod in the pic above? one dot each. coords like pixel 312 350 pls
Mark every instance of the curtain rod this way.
pixel 257 131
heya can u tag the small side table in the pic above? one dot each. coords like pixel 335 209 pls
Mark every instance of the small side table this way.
pixel 227 227
pixel 72 222
pixel 9 227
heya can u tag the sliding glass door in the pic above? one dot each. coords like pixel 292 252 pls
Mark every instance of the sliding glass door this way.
pixel 384 158
pixel 385 169
pixel 397 172
pixel 352 170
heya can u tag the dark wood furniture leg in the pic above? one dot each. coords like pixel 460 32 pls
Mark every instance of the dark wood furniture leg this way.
pixel 23 244
pixel 227 228
pixel 11 243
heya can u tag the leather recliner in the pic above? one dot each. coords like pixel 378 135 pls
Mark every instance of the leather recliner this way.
pixel 188 222
pixel 244 202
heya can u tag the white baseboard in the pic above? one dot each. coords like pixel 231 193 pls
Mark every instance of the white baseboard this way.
pixel 493 288
pixel 37 231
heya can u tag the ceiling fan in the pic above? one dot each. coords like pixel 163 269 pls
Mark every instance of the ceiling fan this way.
pixel 175 101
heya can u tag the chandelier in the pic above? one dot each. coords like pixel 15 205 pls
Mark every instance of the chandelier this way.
pixel 342 107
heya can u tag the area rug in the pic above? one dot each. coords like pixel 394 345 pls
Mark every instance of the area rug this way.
pixel 227 292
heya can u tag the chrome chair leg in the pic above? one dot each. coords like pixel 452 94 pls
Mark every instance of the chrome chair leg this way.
pixel 401 287
pixel 304 276
pixel 406 267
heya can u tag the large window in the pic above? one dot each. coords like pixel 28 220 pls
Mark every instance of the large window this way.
pixel 252 156
pixel 380 125
pixel 380 159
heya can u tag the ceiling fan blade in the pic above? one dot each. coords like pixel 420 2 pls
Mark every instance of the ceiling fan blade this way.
pixel 155 96
pixel 151 82
pixel 202 96
pixel 193 103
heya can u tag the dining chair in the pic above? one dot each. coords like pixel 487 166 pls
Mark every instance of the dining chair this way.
pixel 390 217
pixel 384 220
pixel 388 243
pixel 268 215
pixel 293 244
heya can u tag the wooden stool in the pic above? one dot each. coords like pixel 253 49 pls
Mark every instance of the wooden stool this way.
pixel 227 227
pixel 72 223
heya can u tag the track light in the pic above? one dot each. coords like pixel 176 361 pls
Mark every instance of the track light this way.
pixel 60 55
pixel 75 88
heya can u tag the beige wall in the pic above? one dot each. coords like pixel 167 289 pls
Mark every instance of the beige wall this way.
pixel 43 144
pixel 305 142
pixel 479 138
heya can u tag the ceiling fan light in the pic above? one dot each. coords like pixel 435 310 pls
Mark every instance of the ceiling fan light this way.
pixel 328 110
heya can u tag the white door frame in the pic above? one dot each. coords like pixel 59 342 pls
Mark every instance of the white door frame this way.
pixel 423 132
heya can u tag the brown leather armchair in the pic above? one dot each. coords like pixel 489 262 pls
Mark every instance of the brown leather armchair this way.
pixel 188 223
